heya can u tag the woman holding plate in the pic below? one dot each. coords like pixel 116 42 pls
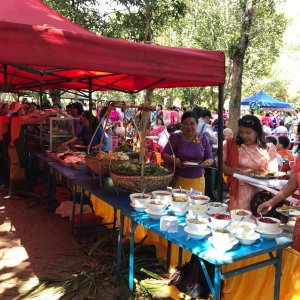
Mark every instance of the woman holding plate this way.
pixel 291 186
pixel 248 152
pixel 189 150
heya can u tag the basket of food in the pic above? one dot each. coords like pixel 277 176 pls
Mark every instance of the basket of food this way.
pixel 127 175
pixel 80 165
pixel 98 161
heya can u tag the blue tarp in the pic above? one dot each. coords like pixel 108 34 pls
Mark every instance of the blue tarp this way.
pixel 265 100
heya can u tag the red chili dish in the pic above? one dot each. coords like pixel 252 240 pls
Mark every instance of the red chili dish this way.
pixel 221 216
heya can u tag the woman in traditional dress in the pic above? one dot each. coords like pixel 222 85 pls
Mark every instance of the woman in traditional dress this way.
pixel 246 153
pixel 188 146
pixel 17 150
pixel 291 186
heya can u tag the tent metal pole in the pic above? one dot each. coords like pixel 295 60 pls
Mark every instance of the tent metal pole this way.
pixel 5 78
pixel 41 96
pixel 90 107
pixel 220 142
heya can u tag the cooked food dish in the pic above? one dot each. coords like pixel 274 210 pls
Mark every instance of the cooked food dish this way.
pixel 240 213
pixel 219 216
pixel 180 199
pixel 267 220
pixel 262 173
pixel 195 221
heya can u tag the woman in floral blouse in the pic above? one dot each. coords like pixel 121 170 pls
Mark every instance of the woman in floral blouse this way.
pixel 188 146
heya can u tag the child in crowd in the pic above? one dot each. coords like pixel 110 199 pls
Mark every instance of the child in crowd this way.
pixel 282 148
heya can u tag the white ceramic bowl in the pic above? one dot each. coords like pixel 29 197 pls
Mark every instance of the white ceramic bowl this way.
pixel 180 202
pixel 220 219
pixel 222 246
pixel 199 199
pixel 268 224
pixel 138 208
pixel 179 212
pixel 180 192
pixel 157 206
pixel 197 225
pixel 197 210
pixel 162 195
pixel 243 227
pixel 223 234
pixel 248 239
pixel 216 207
pixel 240 214
pixel 155 215
pixel 198 235
pixel 137 199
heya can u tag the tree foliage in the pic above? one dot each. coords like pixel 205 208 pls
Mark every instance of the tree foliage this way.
pixel 205 24
pixel 85 13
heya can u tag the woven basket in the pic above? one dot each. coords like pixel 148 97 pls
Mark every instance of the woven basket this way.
pixel 94 165
pixel 140 184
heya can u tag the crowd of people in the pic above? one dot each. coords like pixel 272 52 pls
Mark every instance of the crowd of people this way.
pixel 191 134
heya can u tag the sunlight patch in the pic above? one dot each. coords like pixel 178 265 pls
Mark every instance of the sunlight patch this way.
pixel 13 257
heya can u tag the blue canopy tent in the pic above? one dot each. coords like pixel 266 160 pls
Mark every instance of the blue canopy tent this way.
pixel 264 100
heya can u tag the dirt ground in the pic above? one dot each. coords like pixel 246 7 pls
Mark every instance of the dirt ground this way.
pixel 35 244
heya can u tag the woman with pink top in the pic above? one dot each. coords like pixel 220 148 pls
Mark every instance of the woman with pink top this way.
pixel 116 119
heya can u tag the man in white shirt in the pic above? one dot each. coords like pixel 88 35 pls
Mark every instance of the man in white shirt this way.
pixel 203 126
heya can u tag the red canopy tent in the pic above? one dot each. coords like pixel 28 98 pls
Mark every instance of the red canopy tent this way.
pixel 43 50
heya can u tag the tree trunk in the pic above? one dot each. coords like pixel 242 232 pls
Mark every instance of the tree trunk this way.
pixel 148 9
pixel 238 66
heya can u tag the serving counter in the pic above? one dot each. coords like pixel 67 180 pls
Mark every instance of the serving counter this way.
pixel 235 267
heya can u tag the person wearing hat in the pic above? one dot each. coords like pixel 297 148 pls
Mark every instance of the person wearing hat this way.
pixel 17 150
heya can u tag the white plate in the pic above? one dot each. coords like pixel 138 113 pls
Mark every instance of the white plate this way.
pixel 221 245
pixel 197 235
pixel 138 208
pixel 154 215
pixel 289 212
pixel 268 234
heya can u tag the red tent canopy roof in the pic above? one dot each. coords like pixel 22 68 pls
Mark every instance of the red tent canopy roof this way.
pixel 43 50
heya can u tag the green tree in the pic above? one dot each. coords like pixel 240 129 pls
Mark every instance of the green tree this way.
pixel 250 33
pixel 85 13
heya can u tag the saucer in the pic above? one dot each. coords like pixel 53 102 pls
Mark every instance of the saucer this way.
pixel 138 208
pixel 155 215
pixel 197 235
pixel 269 234
pixel 221 245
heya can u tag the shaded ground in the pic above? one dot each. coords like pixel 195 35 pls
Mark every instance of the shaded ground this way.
pixel 35 244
